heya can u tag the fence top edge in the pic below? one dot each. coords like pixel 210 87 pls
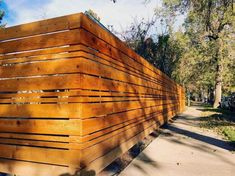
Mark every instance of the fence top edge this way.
pixel 41 27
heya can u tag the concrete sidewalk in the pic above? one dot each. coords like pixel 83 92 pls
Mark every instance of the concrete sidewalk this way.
pixel 184 149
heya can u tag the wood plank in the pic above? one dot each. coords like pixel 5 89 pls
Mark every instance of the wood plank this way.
pixel 74 110
pixel 100 163
pixel 95 124
pixel 78 64
pixel 28 156
pixel 75 145
pixel 41 27
pixel 35 154
pixel 40 110
pixel 41 54
pixel 121 132
pixel 93 41
pixel 120 135
pixel 85 93
pixel 124 124
pixel 126 65
pixel 36 137
pixel 23 168
pixel 98 150
pixel 73 81
pixel 121 66
pixel 125 62
pixel 130 64
pixel 95 151
pixel 95 29
pixel 33 143
pixel 42 126
pixel 41 83
pixel 40 42
pixel 93 110
pixel 90 82
pixel 66 99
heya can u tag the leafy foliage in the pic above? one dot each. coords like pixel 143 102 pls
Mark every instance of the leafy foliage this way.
pixel 209 25
pixel 201 56
pixel 157 49
pixel 92 14
pixel 1 15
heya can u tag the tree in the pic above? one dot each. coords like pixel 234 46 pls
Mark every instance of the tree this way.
pixel 137 36
pixel 209 23
pixel 201 55
pixel 141 36
pixel 92 14
pixel 1 16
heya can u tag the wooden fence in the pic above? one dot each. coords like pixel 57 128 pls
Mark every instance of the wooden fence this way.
pixel 73 96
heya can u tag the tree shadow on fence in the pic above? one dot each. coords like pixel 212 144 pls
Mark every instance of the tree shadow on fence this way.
pixel 128 86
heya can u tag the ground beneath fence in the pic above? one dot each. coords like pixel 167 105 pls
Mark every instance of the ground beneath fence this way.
pixel 183 149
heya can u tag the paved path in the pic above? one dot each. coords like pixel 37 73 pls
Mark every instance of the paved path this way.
pixel 184 149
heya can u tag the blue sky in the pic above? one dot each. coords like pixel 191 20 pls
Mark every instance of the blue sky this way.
pixel 120 14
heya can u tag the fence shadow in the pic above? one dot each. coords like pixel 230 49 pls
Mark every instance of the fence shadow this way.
pixel 207 139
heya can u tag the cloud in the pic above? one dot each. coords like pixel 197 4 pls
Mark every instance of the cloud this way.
pixel 23 11
pixel 118 14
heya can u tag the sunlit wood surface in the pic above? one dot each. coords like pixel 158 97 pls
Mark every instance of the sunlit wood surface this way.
pixel 72 95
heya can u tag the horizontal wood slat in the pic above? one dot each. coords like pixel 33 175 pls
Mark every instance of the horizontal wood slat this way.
pixel 42 126
pixel 65 93
pixel 125 63
pixel 36 137
pixel 93 28
pixel 40 155
pixel 40 42
pixel 73 81
pixel 41 27
pixel 32 168
pixel 72 94
pixel 78 64
pixel 76 110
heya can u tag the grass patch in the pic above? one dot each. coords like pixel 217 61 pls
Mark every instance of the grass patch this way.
pixel 229 133
pixel 219 120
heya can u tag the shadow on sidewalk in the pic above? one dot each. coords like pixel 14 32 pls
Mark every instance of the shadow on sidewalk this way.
pixel 212 141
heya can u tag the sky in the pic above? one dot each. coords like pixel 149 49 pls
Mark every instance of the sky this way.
pixel 120 14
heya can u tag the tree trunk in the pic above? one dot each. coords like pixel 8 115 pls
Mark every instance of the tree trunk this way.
pixel 211 94
pixel 188 97
pixel 202 95
pixel 218 93
pixel 218 78
pixel 218 87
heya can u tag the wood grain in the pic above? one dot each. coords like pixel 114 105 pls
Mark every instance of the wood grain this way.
pixel 72 95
